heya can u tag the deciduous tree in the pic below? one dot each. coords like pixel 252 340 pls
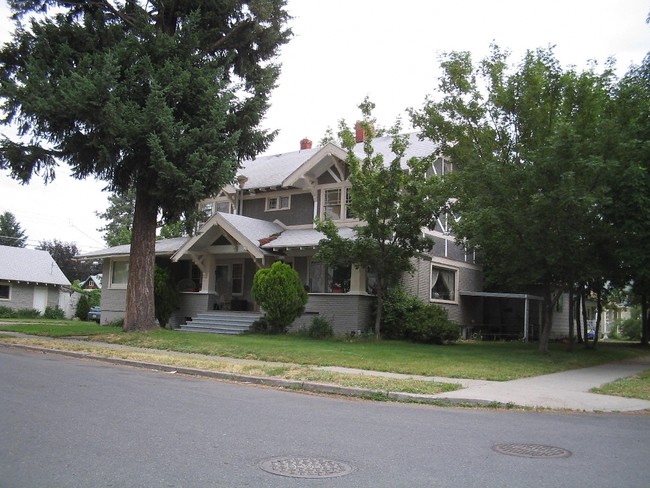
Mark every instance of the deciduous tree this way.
pixel 394 200
pixel 160 97
pixel 531 146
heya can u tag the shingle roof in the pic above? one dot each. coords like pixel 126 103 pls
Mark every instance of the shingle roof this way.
pixel 253 229
pixel 272 171
pixel 30 265
pixel 292 238
pixel 164 247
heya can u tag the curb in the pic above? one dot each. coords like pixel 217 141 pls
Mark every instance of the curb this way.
pixel 307 386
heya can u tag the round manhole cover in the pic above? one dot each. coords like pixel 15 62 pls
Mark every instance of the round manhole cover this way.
pixel 305 467
pixel 532 450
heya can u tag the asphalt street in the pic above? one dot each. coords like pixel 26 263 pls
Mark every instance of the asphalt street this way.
pixel 68 422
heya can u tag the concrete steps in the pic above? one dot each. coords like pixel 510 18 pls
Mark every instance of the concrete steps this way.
pixel 221 322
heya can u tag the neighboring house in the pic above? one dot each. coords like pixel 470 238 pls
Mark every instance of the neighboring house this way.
pixel 30 279
pixel 93 282
pixel 268 215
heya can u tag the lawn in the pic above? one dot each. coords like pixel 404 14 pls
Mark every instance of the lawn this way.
pixel 475 360
pixel 637 386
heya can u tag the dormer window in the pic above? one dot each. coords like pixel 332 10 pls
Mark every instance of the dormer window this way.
pixel 278 203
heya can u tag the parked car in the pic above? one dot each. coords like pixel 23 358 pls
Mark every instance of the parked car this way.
pixel 94 314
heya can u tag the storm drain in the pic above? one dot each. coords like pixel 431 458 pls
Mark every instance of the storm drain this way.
pixel 532 450
pixel 305 467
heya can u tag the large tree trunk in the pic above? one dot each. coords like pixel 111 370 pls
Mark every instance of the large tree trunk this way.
pixel 578 315
pixel 380 311
pixel 583 307
pixel 547 321
pixel 572 319
pixel 140 312
pixel 599 313
pixel 645 321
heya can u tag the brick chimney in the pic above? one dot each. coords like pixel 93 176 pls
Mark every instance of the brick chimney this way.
pixel 305 144
pixel 360 133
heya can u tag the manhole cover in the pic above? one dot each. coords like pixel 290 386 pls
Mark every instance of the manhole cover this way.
pixel 531 450
pixel 305 467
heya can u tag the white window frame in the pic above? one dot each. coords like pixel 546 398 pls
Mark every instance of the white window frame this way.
pixel 118 285
pixel 221 201
pixel 282 202
pixel 7 285
pixel 454 298
pixel 344 202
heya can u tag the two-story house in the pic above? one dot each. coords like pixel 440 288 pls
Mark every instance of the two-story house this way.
pixel 268 215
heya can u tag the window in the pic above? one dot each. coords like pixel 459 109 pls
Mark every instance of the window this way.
pixel 323 279
pixel 237 279
pixel 119 274
pixel 336 204
pixel 332 204
pixel 278 203
pixel 443 284
pixel 207 210
pixel 5 291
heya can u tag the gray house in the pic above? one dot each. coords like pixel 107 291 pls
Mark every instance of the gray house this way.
pixel 268 215
pixel 30 279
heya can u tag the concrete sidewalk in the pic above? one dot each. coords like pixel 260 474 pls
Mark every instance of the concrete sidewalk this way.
pixel 568 390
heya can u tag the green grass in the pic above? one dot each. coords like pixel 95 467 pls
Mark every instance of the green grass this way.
pixel 637 386
pixel 56 328
pixel 475 360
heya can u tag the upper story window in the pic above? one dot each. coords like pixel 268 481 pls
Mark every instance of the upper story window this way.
pixel 224 206
pixel 336 203
pixel 5 291
pixel 443 284
pixel 278 203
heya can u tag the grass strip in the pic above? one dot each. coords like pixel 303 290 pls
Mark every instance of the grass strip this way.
pixel 637 386
pixel 289 372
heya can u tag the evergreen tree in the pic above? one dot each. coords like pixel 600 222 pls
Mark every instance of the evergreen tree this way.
pixel 11 233
pixel 162 98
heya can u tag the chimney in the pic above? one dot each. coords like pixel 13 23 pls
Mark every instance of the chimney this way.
pixel 305 144
pixel 360 133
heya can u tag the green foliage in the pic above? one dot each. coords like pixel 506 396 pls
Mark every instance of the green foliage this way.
pixel 165 296
pixel 407 317
pixel 281 295
pixel 164 102
pixel 55 313
pixel 64 254
pixel 11 233
pixel 119 218
pixel 7 313
pixel 320 328
pixel 530 145
pixel 395 199
pixel 83 307
pixel 631 328
pixel 27 313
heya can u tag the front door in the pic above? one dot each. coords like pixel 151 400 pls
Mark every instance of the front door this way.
pixel 40 298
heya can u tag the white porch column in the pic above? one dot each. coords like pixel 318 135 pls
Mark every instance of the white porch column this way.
pixel 526 318
pixel 208 277
pixel 358 277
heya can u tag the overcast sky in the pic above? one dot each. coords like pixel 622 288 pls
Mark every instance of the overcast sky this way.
pixel 343 50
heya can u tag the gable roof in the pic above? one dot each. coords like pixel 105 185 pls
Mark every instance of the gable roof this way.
pixel 30 265
pixel 248 232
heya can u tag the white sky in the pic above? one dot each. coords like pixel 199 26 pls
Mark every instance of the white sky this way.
pixel 343 50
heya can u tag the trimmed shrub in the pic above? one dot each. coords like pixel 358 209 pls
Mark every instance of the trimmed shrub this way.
pixel 83 307
pixel 165 296
pixel 430 324
pixel 54 313
pixel 406 317
pixel 281 295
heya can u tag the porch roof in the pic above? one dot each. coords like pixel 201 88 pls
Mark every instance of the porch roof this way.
pixel 297 238
pixel 248 232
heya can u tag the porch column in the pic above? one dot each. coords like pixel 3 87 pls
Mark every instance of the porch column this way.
pixel 526 318
pixel 358 278
pixel 209 277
